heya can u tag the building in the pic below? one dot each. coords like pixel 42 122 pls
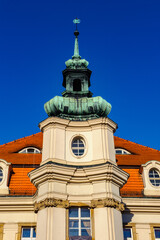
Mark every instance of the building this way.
pixel 74 180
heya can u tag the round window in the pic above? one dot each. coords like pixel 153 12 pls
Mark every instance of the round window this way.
pixel 1 175
pixel 78 146
pixel 154 177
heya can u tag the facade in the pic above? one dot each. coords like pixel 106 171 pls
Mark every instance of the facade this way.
pixel 74 179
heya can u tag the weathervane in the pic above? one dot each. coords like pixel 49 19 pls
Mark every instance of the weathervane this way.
pixel 76 21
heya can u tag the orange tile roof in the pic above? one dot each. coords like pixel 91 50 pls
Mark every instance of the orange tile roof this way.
pixel 140 154
pixel 23 163
pixel 134 186
pixel 20 183
pixel 9 151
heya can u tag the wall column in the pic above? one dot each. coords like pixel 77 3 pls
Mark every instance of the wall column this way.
pixel 108 224
pixel 51 224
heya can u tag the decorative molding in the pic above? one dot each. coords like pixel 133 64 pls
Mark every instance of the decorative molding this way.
pixel 145 205
pixel 107 202
pixel 52 202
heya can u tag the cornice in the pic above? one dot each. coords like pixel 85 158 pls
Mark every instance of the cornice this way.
pixel 16 203
pixel 145 205
pixel 73 174
pixel 78 125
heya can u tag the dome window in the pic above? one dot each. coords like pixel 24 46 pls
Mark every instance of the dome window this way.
pixel 78 146
pixel 30 150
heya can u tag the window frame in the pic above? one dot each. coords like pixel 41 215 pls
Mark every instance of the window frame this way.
pixel 131 226
pixel 79 218
pixel 24 150
pixel 1 177
pixel 78 148
pixel 23 225
pixel 154 178
pixel 85 145
pixel 152 227
pixel 1 231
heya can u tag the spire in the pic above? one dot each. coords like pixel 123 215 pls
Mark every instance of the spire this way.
pixel 76 33
pixel 76 62
pixel 76 48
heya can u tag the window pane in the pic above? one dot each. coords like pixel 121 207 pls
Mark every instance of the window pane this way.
pixel 30 150
pixel 73 232
pixel 127 233
pixel 157 233
pixel 81 145
pixel 26 232
pixel 75 151
pixel 85 223
pixel 73 223
pixel 85 232
pixel 85 212
pixel 81 151
pixel 73 212
pixel 118 151
pixel 34 233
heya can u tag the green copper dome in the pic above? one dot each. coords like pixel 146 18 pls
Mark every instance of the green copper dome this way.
pixel 77 102
pixel 77 109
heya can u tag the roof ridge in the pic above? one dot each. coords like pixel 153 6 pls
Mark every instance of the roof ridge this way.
pixel 19 139
pixel 137 144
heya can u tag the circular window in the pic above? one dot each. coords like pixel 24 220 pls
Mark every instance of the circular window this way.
pixel 154 177
pixel 1 175
pixel 78 146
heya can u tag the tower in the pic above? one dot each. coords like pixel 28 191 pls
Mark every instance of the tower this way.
pixel 78 180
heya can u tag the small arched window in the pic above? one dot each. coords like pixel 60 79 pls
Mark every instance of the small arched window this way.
pixel 30 150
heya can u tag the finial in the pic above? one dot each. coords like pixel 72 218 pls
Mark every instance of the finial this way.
pixel 76 21
pixel 76 33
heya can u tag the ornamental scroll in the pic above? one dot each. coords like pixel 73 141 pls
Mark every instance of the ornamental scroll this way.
pixel 52 202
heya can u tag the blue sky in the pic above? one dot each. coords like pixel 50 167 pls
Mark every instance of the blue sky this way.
pixel 121 41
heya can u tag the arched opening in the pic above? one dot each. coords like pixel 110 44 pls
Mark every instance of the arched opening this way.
pixel 77 85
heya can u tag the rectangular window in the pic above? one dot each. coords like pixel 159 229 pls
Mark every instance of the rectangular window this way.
pixel 28 233
pixel 127 233
pixel 157 233
pixel 79 222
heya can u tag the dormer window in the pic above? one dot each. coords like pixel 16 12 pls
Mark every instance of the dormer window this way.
pixel 151 178
pixel 30 150
pixel 121 151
